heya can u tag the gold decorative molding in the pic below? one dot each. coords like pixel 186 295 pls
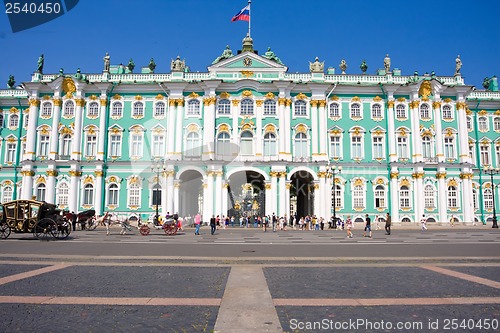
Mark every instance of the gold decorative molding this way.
pixel 30 173
pixel 192 128
pixel 414 104
pixel 270 128
pixel 356 99
pixel 301 128
pixel 224 95
pixel 41 180
pixel 103 101
pixel 57 101
pixel 193 95
pixel 169 173
pixel 314 103
pixel 210 101
pixel 80 102
pixel 259 102
pixel 74 173
pixel 436 105
pixel 281 101
pixel 465 175
pixel 447 100
pixel 247 74
pixel 88 180
pixel 301 96
pixel 461 105
pixel 483 113
pixel 117 97
pixel 405 182
pixel 377 99
pixel 223 128
pixel 390 104
pixel 274 174
pixel 134 180
pixel 235 102
pixel 34 102
pixel 267 186
pixel 246 93
pixel 159 97
pixel 269 95
pixel 316 187
pixel 334 98
pixel 322 174
pixel 322 103
pixel 98 173
pixel 358 182
pixel 452 182
pixel 418 175
pixel 68 85
pixel 138 98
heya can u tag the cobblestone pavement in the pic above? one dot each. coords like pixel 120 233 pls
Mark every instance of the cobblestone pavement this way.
pixel 72 289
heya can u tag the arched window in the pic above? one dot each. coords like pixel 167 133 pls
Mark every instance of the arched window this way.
pixel 270 144
pixel 138 110
pixel 496 124
pixel 449 147
pixel 447 114
pixel 338 197
pixel 156 197
pixel 159 109
pixel 113 195
pixel 452 197
pixel 269 107
pixel 26 120
pixel 376 111
pixel 300 108
pixel 69 109
pixel 429 201
pixel 93 110
pixel 406 220
pixel 482 124
pixel 380 196
pixel 223 145
pixel 425 112
pixel 224 106
pixel 400 111
pixel 355 110
pixel 193 108
pixel 63 194
pixel 193 147
pixel 65 151
pixel 7 194
pixel 334 110
pixel 46 110
pixel 404 197
pixel 13 120
pixel 469 123
pixel 246 106
pixel 300 146
pixel 358 197
pixel 488 198
pixel 88 195
pixel 40 192
pixel 246 143
pixel 474 199
pixel 134 195
pixel 117 110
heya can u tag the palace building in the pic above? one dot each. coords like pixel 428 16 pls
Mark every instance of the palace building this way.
pixel 248 137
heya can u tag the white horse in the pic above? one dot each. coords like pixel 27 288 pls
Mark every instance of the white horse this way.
pixel 110 219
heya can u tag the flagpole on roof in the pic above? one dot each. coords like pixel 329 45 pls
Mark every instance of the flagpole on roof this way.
pixel 249 16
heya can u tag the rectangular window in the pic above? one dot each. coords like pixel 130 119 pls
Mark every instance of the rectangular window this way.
pixel 485 155
pixel 115 145
pixel 497 150
pixel 91 149
pixel 136 148
pixel 158 145
pixel 402 148
pixel 335 151
pixel 378 147
pixel 356 147
pixel 11 153
pixel 449 148
pixel 44 146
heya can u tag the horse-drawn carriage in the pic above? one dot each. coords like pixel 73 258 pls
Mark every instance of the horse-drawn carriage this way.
pixel 42 219
pixel 170 226
pixel 86 219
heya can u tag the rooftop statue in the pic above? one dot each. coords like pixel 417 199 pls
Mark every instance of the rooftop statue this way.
pixel 226 54
pixel 152 65
pixel 178 64
pixel 316 66
pixel 131 65
pixel 343 66
pixel 490 83
pixel 106 62
pixel 387 64
pixel 11 82
pixel 272 56
pixel 61 71
pixel 78 74
pixel 40 63
pixel 363 66
pixel 458 65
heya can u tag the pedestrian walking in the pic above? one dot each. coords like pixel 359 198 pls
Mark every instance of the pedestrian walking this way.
pixel 348 223
pixel 197 223
pixel 452 221
pixel 423 221
pixel 213 224
pixel 368 226
pixel 274 221
pixel 377 222
pixel 388 224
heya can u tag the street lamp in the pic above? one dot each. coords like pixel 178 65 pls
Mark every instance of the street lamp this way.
pixel 333 171
pixel 490 171
pixel 157 168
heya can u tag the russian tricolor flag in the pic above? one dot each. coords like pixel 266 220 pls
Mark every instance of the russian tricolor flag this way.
pixel 243 15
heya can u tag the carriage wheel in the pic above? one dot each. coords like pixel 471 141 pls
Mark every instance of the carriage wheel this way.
pixel 45 229
pixel 171 230
pixel 4 230
pixel 91 223
pixel 144 230
pixel 63 230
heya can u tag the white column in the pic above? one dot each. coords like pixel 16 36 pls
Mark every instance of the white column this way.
pixel 218 193
pixel 394 194
pixel 274 192
pixel 436 106
pixel 179 130
pixel 31 137
pixel 209 128
pixel 287 199
pixel 75 186
pixel 171 125
pixel 418 198
pixel 164 192
pixel 316 199
pixel 287 129
pixel 235 111
pixel 76 153
pixel 441 175
pixel 269 203
pixel 314 131
pixel 323 130
pixel 51 184
pixel 170 191
pixel 258 130
pixel 415 129
pixel 281 195
pixel 282 129
pixel 323 193
pixel 176 197
pixel 224 198
pixel 98 193
pixel 463 138
pixel 391 132
pixel 54 133
pixel 103 131
pixel 467 196
pixel 27 182
pixel 208 194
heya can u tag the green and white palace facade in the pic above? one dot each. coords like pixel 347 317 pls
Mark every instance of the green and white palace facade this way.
pixel 248 137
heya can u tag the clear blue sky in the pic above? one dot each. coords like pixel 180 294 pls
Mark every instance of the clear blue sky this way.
pixel 421 35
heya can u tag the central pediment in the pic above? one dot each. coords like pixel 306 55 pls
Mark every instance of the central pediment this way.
pixel 247 62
